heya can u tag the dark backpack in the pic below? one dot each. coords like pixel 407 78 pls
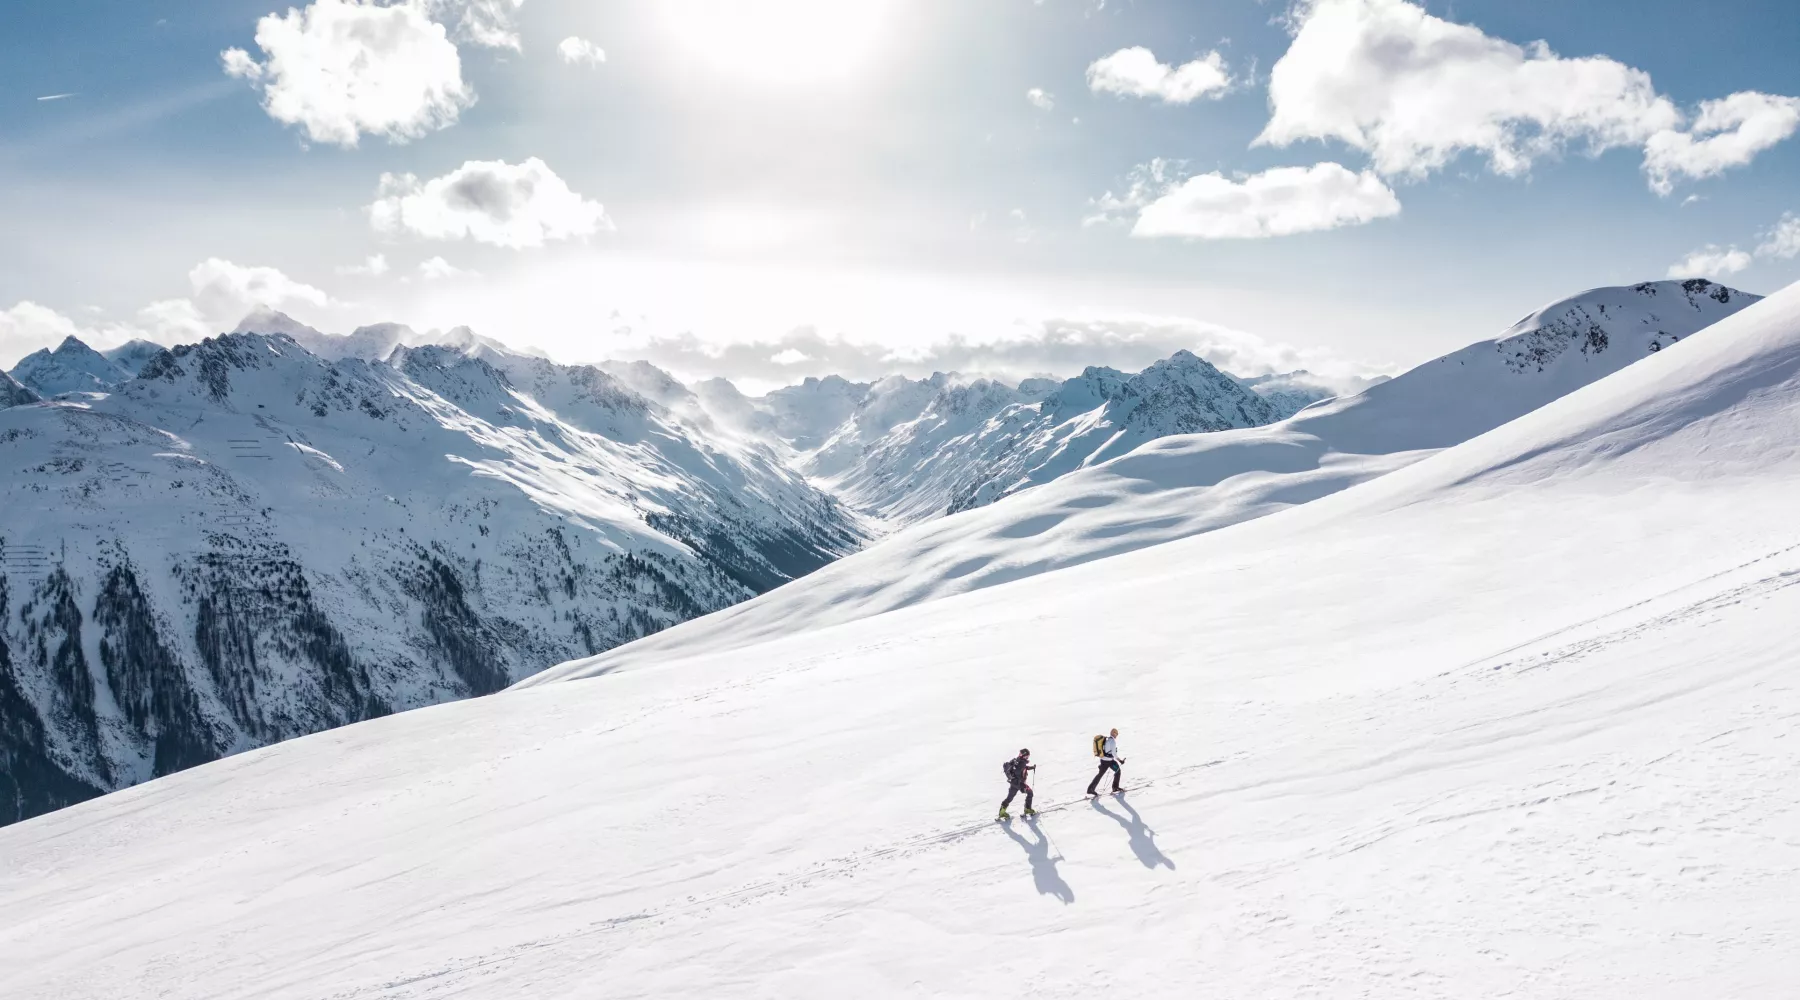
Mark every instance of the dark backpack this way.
pixel 1011 769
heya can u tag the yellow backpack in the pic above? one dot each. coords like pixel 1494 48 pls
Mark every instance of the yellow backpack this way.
pixel 1099 746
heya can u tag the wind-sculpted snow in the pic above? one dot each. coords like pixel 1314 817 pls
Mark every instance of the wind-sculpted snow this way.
pixel 1513 720
pixel 1187 484
pixel 248 543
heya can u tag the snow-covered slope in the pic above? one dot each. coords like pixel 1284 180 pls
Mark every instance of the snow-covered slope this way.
pixel 970 443
pixel 249 542
pixel 1187 484
pixel 72 367
pixel 1485 726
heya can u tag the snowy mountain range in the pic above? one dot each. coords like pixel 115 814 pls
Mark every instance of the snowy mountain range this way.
pixel 75 367
pixel 916 450
pixel 279 530
pixel 907 450
pixel 1514 719
pixel 1182 485
pixel 247 542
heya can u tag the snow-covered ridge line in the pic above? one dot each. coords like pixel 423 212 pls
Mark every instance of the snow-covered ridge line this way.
pixel 1182 485
pixel 898 450
pixel 247 542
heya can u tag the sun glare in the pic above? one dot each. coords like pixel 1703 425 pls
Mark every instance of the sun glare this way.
pixel 780 41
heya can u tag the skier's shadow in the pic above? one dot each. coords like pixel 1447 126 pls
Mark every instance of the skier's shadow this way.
pixel 1043 867
pixel 1143 839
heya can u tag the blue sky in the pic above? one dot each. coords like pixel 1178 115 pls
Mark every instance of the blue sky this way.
pixel 904 179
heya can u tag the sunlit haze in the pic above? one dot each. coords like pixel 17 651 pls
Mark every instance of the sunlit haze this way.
pixel 900 180
pixel 781 41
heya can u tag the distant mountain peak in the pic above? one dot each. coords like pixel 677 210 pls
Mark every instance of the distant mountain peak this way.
pixel 132 355
pixel 262 319
pixel 72 367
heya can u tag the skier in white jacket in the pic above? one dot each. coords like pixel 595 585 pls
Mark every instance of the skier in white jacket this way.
pixel 1109 761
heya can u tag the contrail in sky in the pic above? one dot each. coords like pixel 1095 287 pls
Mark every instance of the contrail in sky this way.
pixel 57 97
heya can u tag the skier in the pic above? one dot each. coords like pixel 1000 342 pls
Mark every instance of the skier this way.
pixel 1017 770
pixel 1108 750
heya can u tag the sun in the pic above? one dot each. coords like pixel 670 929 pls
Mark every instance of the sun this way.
pixel 779 41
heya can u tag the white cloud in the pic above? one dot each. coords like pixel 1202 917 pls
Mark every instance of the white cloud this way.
pixel 29 327
pixel 437 269
pixel 230 290
pixel 341 68
pixel 179 321
pixel 1040 99
pixel 488 201
pixel 1783 240
pixel 1279 202
pixel 222 294
pixel 1134 72
pixel 1022 231
pixel 1415 90
pixel 1149 181
pixel 481 22
pixel 1780 241
pixel 580 50
pixel 373 267
pixel 1710 262
pixel 1726 133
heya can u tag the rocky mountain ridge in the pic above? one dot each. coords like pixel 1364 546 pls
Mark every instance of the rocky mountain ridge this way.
pixel 247 542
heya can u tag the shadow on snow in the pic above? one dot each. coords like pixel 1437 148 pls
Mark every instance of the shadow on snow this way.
pixel 1143 839
pixel 1043 867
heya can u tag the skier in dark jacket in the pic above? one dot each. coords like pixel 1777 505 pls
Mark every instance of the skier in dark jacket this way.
pixel 1109 761
pixel 1017 770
